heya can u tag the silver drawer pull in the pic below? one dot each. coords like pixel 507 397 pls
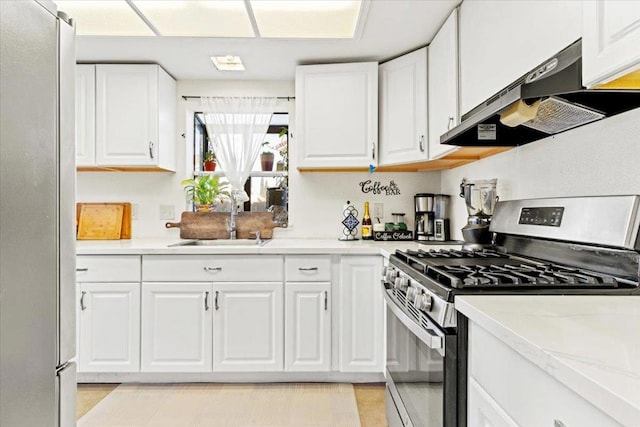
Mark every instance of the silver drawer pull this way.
pixel 308 268
pixel 213 269
pixel 81 270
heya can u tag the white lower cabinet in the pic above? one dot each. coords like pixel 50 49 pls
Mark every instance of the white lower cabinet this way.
pixel 506 389
pixel 307 326
pixel 176 327
pixel 361 314
pixel 110 327
pixel 248 327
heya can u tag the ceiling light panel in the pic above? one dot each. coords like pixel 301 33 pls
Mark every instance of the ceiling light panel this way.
pixel 306 19
pixel 190 18
pixel 105 18
pixel 228 63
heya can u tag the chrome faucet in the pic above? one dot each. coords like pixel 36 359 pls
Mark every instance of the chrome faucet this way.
pixel 231 222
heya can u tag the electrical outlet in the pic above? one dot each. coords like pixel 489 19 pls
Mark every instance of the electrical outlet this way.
pixel 167 212
pixel 378 211
pixel 135 211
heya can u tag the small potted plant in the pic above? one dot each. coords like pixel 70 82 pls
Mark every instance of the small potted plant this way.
pixel 209 161
pixel 282 146
pixel 267 157
pixel 205 190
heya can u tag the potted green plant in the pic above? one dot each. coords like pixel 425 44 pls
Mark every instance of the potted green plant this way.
pixel 209 161
pixel 205 190
pixel 282 148
pixel 266 158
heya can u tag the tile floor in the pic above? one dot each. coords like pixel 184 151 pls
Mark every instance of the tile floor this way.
pixel 369 397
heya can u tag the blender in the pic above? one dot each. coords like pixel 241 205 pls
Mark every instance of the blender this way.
pixel 480 197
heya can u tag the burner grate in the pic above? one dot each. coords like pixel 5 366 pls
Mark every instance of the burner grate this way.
pixel 518 275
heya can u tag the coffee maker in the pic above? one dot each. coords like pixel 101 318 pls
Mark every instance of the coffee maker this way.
pixel 480 197
pixel 425 216
pixel 441 214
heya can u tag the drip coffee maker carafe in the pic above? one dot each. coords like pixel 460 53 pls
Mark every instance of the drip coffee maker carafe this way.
pixel 480 197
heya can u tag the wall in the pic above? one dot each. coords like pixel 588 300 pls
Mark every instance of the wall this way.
pixel 316 199
pixel 601 158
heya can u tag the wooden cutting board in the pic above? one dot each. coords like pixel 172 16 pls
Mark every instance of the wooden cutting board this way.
pixel 103 221
pixel 212 225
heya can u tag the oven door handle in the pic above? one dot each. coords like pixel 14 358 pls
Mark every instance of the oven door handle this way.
pixel 433 337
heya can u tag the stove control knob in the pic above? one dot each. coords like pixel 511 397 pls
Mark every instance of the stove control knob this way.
pixel 423 302
pixel 412 293
pixel 401 283
pixel 390 274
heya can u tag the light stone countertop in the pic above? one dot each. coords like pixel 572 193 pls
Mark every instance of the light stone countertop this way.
pixel 591 344
pixel 142 246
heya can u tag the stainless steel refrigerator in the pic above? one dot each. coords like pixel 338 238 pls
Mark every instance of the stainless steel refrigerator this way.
pixel 37 218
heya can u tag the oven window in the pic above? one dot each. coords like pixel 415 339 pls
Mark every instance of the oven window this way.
pixel 417 374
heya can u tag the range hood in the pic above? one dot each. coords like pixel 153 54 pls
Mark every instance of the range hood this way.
pixel 546 101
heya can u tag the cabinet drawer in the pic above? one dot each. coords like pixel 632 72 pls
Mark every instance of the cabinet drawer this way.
pixel 308 268
pixel 108 268
pixel 212 268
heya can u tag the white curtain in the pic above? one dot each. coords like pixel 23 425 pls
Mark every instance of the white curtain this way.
pixel 237 128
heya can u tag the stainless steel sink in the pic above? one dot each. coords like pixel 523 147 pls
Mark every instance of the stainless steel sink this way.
pixel 221 242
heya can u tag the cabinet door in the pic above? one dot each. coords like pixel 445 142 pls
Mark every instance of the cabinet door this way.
pixel 176 327
pixel 307 326
pixel 443 85
pixel 85 115
pixel 500 41
pixel 403 109
pixel 248 327
pixel 610 40
pixel 126 115
pixel 483 411
pixel 361 314
pixel 109 327
pixel 337 115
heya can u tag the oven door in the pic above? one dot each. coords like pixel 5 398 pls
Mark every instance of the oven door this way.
pixel 420 371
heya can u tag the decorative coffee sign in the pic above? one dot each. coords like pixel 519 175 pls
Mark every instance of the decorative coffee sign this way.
pixel 376 187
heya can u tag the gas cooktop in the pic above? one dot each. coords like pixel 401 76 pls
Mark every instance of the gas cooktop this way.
pixel 488 269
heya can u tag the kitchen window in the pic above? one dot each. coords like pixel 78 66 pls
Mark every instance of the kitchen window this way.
pixel 266 188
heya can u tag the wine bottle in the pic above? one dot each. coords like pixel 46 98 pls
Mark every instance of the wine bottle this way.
pixel 366 224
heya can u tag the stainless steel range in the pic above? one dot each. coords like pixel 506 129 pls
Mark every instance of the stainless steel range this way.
pixel 580 245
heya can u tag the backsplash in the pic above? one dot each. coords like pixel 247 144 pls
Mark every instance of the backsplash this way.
pixel 602 158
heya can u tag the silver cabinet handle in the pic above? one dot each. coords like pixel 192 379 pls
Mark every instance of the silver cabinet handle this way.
pixel 82 306
pixel 213 269
pixel 422 143
pixel 373 150
pixel 308 268
pixel 206 301
pixel 326 297
pixel 216 301
pixel 81 270
pixel 151 149
pixel 450 123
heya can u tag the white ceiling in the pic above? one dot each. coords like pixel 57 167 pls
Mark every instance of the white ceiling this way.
pixel 392 27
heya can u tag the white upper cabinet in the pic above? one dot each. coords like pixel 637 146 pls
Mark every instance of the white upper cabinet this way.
pixel 337 115
pixel 85 115
pixel 611 40
pixel 500 41
pixel 135 116
pixel 403 109
pixel 443 85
